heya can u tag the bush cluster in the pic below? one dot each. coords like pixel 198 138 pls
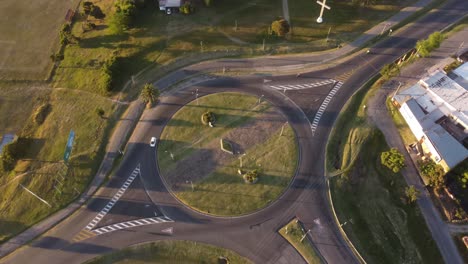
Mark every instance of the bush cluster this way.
pixel 93 10
pixel 425 47
pixel 280 27
pixel 110 70
pixel 208 117
pixel 187 8
pixel 41 113
pixel 123 17
pixel 11 152
pixel 251 176
pixel 393 160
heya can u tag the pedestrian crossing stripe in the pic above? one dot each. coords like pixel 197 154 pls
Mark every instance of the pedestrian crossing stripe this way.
pixel 324 105
pixel 281 87
pixel 114 199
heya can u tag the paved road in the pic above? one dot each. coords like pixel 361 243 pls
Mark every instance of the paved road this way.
pixel 379 115
pixel 252 236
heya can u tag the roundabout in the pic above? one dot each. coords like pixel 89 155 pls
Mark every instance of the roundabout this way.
pixel 218 180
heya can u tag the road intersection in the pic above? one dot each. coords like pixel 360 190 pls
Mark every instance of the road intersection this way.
pixel 253 236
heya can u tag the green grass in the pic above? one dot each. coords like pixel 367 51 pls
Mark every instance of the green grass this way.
pixel 29 37
pixel 170 252
pixel 185 132
pixel 343 148
pixel 223 192
pixel 294 234
pixel 158 40
pixel 405 132
pixel 40 165
pixel 383 228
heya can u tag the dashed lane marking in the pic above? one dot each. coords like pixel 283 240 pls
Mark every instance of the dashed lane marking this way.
pixel 324 105
pixel 114 199
pixel 301 86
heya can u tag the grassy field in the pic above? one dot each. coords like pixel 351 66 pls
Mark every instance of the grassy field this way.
pixel 158 39
pixel 294 234
pixel 170 252
pixel 346 20
pixel 39 167
pixel 222 191
pixel 382 227
pixel 184 133
pixel 29 36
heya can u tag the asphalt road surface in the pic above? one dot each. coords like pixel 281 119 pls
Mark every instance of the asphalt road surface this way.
pixel 253 236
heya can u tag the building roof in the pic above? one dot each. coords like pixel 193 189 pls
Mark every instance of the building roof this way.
pixel 448 90
pixel 462 71
pixel 448 147
pixel 169 3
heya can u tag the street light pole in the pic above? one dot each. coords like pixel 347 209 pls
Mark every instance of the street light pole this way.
pixel 304 235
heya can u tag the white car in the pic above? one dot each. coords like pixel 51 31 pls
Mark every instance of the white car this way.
pixel 153 142
pixel 168 11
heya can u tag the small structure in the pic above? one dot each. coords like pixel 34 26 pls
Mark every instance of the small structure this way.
pixel 436 111
pixel 6 138
pixel 164 5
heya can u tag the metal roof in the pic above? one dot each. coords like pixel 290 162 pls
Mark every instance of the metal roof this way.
pixel 448 147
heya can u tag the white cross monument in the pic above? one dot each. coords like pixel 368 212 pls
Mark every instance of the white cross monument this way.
pixel 323 4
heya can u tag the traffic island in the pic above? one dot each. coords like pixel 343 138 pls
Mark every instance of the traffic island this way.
pixel 205 176
pixel 296 235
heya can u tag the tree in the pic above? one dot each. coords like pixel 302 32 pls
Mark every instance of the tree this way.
pixel 187 8
pixel 434 172
pixel 208 117
pixel 390 70
pixel 424 47
pixel 393 160
pixel 149 94
pixel 280 27
pixel 121 20
pixel 208 2
pixel 66 36
pixel 118 23
pixel 412 194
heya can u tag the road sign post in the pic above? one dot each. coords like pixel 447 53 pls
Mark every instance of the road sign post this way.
pixel 69 147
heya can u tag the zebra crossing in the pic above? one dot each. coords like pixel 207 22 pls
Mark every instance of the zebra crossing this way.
pixel 130 224
pixel 301 86
pixel 114 199
pixel 324 105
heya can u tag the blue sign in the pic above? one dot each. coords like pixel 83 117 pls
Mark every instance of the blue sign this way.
pixel 69 147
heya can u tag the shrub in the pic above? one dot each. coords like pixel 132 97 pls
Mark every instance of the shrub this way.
pixel 100 112
pixel 280 27
pixel 434 172
pixel 251 176
pixel 425 47
pixel 110 69
pixel 207 2
pixel 208 117
pixel 187 8
pixel 393 160
pixel 41 113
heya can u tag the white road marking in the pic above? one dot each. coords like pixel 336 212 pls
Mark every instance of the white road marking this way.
pixel 324 105
pixel 112 202
pixel 129 224
pixel 301 86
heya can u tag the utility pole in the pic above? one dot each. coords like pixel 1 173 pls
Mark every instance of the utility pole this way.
pixel 201 45
pixel 263 45
pixel 304 235
pixel 235 25
pixel 282 128
pixel 329 30
pixel 191 183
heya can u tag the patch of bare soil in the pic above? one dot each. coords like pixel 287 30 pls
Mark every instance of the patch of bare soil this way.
pixel 204 161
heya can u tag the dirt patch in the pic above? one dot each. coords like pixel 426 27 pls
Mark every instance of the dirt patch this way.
pixel 204 161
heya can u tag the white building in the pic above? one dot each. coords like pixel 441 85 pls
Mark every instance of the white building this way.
pixel 436 111
pixel 165 4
